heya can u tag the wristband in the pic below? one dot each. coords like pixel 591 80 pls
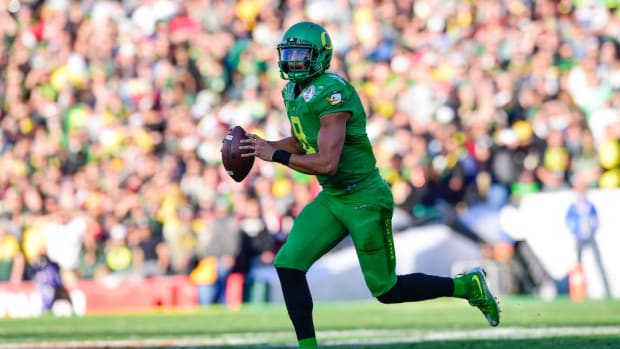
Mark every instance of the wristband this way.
pixel 281 156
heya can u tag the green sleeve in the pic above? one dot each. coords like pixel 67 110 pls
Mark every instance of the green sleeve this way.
pixel 336 98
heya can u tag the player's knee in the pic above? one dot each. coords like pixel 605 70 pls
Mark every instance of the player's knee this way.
pixel 285 259
pixel 282 260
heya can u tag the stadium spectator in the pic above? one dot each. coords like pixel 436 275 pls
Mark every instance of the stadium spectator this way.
pixel 255 250
pixel 217 245
pixel 582 221
pixel 554 169
pixel 12 262
pixel 46 275
pixel 119 256
pixel 91 262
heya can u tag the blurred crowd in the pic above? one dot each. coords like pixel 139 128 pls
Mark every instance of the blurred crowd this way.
pixel 112 115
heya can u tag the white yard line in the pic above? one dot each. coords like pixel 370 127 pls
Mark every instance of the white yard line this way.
pixel 332 338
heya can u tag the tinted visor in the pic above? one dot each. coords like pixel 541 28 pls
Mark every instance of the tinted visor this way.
pixel 295 54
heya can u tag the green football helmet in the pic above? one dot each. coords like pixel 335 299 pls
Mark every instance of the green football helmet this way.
pixel 305 51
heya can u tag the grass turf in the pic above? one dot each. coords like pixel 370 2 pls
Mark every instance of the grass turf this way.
pixel 360 324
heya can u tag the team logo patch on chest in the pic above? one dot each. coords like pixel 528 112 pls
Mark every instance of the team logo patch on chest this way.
pixel 308 93
pixel 335 98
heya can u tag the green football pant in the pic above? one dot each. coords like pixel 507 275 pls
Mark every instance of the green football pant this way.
pixel 365 214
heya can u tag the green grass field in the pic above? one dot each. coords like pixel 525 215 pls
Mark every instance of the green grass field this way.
pixel 446 323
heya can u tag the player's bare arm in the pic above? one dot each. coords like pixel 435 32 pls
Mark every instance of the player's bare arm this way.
pixel 290 144
pixel 264 149
pixel 330 143
pixel 261 146
pixel 324 162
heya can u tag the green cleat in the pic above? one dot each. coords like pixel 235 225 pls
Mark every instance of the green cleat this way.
pixel 480 296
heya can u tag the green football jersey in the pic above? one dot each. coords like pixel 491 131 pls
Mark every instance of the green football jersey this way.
pixel 326 94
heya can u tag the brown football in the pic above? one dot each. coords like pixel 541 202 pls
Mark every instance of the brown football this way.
pixel 236 166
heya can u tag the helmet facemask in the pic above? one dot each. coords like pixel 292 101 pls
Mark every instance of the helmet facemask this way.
pixel 298 61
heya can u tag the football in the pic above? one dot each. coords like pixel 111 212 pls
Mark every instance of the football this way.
pixel 236 166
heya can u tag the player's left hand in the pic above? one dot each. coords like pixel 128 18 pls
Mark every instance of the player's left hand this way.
pixel 258 146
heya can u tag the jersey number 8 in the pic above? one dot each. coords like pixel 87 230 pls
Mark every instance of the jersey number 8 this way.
pixel 301 136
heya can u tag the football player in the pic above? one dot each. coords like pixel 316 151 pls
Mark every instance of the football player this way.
pixel 329 140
